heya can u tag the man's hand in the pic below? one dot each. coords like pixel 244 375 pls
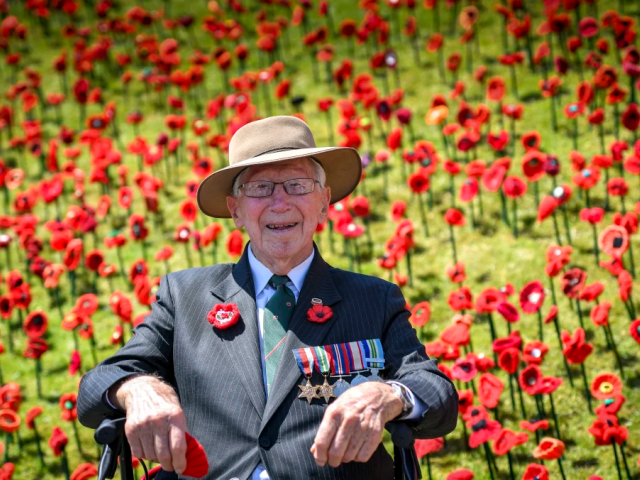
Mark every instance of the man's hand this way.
pixel 352 427
pixel 156 424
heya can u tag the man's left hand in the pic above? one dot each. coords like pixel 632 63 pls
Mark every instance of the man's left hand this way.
pixel 352 426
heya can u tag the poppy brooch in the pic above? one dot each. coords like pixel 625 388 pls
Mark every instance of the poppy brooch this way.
pixel 223 315
pixel 319 313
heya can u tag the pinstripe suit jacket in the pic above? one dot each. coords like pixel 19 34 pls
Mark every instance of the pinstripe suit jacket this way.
pixel 218 373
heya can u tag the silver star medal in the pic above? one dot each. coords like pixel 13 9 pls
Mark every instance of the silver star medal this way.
pixel 374 377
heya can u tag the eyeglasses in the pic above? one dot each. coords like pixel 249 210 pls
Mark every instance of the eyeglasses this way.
pixel 264 188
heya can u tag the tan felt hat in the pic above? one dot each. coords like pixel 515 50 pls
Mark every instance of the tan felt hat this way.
pixel 275 139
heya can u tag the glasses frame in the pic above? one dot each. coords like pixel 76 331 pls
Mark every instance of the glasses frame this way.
pixel 283 186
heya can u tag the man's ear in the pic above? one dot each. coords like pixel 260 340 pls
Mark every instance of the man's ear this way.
pixel 232 205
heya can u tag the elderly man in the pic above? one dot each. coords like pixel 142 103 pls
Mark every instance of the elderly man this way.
pixel 225 351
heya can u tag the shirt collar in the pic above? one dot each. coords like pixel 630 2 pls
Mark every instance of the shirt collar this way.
pixel 261 274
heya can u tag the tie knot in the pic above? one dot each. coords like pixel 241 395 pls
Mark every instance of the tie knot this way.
pixel 278 280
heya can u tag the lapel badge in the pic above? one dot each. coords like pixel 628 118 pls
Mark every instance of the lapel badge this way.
pixel 223 315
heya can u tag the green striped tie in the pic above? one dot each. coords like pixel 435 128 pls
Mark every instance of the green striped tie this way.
pixel 277 313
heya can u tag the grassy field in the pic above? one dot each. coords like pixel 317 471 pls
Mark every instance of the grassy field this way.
pixel 490 252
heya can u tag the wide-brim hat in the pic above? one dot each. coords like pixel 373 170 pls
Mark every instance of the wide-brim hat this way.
pixel 276 139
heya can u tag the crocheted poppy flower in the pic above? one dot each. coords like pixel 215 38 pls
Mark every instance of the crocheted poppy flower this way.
pixel 490 388
pixel 634 330
pixel 535 472
pixel 482 431
pixel 549 449
pixel 512 341
pixel 84 471
pixel 498 142
pixel 573 282
pixel 35 325
pixel 533 165
pixel 460 474
pixel 534 425
pixel 532 297
pixel 68 406
pixel 534 352
pixel 420 314
pixel 514 187
pixel 454 217
pixel 469 190
pixel 631 117
pixel 591 292
pixel 58 441
pixel 586 178
pixel 507 290
pixel 197 463
pixel 549 385
pixel 36 347
pixel 464 370
pixel 319 313
pixel 488 300
pixel 86 304
pixel 456 334
pixel 530 379
pixel 508 311
pixel 575 348
pixel 32 414
pixel 611 406
pixel 573 110
pixel 606 430
pixel 606 386
pixel 460 299
pixel 465 400
pixel 223 315
pixel 9 420
pixel 600 314
pixel 456 273
pixel 507 440
pixel 531 143
pixel 509 360
pixel 592 215
pixel 424 447
pixel 625 284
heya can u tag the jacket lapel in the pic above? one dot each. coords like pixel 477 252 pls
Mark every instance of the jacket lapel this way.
pixel 302 333
pixel 242 341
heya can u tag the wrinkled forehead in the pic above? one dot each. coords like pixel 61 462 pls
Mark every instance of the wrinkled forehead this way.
pixel 297 168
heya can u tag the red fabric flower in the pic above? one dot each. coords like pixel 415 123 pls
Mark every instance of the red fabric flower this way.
pixel 530 379
pixel 490 388
pixel 508 311
pixel 534 426
pixel 532 297
pixel 461 473
pixel 606 386
pixel 600 314
pixel 512 341
pixel 35 325
pixel 454 217
pixel 58 441
pixel 534 352
pixel 536 472
pixel 573 282
pixel 223 315
pixel 509 360
pixel 575 348
pixel 514 187
pixel 634 330
pixel 549 449
pixel 460 299
pixel 507 440
pixel 464 370
pixel 482 431
pixel 424 447
pixel 68 406
pixel 319 313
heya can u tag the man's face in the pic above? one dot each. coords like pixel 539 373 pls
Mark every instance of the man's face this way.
pixel 281 226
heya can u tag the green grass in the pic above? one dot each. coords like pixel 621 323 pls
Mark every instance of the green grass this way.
pixel 492 255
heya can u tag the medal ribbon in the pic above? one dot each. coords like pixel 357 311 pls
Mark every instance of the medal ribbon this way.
pixel 376 358
pixel 356 363
pixel 304 359
pixel 321 357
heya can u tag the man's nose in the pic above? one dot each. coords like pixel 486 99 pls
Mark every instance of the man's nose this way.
pixel 279 197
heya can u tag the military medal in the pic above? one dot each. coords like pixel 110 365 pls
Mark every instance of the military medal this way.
pixel 358 363
pixel 321 356
pixel 304 359
pixel 340 366
pixel 376 361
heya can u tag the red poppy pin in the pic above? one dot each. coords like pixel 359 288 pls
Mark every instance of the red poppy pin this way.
pixel 319 313
pixel 224 315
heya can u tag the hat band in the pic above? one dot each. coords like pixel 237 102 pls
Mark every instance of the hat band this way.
pixel 273 150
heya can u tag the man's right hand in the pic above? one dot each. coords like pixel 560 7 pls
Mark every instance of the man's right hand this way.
pixel 156 424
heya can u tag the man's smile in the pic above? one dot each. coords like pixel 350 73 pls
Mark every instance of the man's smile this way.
pixel 281 226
